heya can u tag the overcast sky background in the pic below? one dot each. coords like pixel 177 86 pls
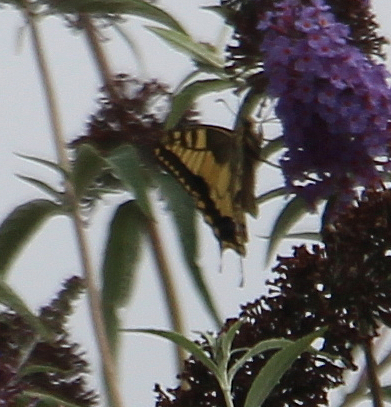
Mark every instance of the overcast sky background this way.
pixel 52 256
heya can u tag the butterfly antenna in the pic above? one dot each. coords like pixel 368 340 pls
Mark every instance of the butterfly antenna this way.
pixel 221 260
pixel 242 274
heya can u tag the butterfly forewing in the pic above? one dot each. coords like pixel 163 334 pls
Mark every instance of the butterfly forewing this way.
pixel 209 161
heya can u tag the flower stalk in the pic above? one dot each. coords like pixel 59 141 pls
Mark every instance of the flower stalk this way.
pixel 88 273
pixel 165 276
pixel 371 369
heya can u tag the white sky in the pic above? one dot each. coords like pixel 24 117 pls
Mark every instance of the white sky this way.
pixel 51 257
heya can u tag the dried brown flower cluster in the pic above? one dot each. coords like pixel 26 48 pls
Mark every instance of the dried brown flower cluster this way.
pixel 345 286
pixel 136 117
pixel 23 354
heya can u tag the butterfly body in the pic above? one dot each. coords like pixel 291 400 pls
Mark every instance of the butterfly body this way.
pixel 216 166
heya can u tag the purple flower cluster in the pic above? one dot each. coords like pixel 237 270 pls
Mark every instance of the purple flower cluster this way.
pixel 333 102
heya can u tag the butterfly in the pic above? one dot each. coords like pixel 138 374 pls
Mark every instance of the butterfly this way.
pixel 217 167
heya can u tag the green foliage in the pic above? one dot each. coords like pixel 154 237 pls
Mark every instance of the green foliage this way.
pixel 130 170
pixel 9 298
pixel 272 147
pixel 272 194
pixel 101 8
pixel 217 359
pixel 19 227
pixel 51 165
pixel 38 363
pixel 47 399
pixel 294 210
pixel 274 369
pixel 45 362
pixel 44 187
pixel 183 212
pixel 121 259
pixel 199 52
pixel 185 98
pixel 86 167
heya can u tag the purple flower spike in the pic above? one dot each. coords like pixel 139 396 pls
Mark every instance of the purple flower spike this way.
pixel 334 103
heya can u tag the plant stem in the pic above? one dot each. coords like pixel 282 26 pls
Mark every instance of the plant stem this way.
pixel 171 295
pixel 226 388
pixel 373 380
pixel 169 289
pixel 93 294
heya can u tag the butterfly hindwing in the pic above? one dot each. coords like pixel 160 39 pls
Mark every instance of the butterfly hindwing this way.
pixel 208 162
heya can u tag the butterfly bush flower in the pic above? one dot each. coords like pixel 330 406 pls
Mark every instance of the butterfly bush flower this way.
pixel 334 103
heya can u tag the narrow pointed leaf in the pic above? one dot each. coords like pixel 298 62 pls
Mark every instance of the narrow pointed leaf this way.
pixel 184 43
pixel 275 368
pixel 43 186
pixel 194 349
pixel 31 369
pixel 275 193
pixel 128 167
pixel 229 336
pixel 19 226
pixel 148 10
pixel 211 340
pixel 183 211
pixel 86 167
pixel 260 347
pixel 9 298
pixel 386 391
pixel 122 255
pixel 47 163
pixel 188 95
pixel 295 209
pixel 250 104
pixel 139 8
pixel 272 147
pixel 305 235
pixel 50 399
pixel 223 346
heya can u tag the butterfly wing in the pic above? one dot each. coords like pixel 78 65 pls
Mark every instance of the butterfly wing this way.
pixel 208 162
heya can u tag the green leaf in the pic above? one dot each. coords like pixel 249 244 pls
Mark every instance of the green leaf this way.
pixel 187 96
pixel 9 298
pixel 19 226
pixel 43 186
pixel 386 391
pixel 47 163
pixel 211 339
pixel 185 343
pixel 260 347
pixel 275 193
pixel 228 337
pixel 305 235
pixel 148 10
pixel 277 365
pixel 122 255
pixel 197 51
pixel 249 106
pixel 136 7
pixel 50 399
pixel 295 209
pixel 86 167
pixel 223 347
pixel 272 147
pixel 128 167
pixel 183 211
pixel 31 369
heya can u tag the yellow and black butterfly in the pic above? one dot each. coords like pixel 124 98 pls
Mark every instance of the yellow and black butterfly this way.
pixel 217 167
